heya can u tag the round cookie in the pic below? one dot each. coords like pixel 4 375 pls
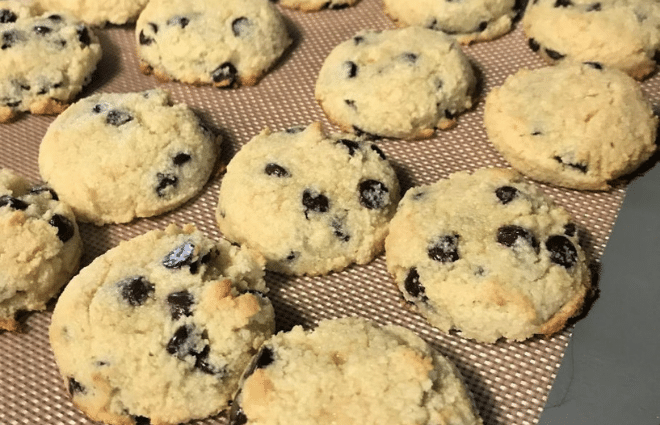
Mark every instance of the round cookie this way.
pixel 46 60
pixel 225 43
pixel 351 371
pixel 574 125
pixel 623 34
pixel 400 83
pixel 468 21
pixel 95 12
pixel 310 203
pixel 159 329
pixel 114 157
pixel 40 248
pixel 489 255
pixel 316 5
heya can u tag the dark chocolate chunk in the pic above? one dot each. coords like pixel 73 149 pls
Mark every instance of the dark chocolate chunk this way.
pixel 136 290
pixel 594 7
pixel 180 304
pixel 536 133
pixel 351 103
pixel 9 38
pixel 144 40
pixel 553 54
pixel 506 194
pixel 225 75
pixel 178 344
pixel 181 158
pixel 141 420
pixel 509 235
pixel 482 26
pixel 117 118
pixel 533 45
pixel 42 29
pixel 276 170
pixel 98 108
pixel 181 21
pixel 314 202
pixel 562 251
pixel 55 18
pixel 351 69
pixel 202 362
pixel 563 3
pixel 7 16
pixel 64 226
pixel 358 39
pixel 165 181
pixel 83 35
pixel 409 57
pixel 378 151
pixel 413 286
pixel 578 166
pixel 339 230
pixel 570 229
pixel 241 26
pixel 361 133
pixel 154 27
pixel 595 65
pixel 445 249
pixel 351 145
pixel 182 255
pixel 373 194
pixel 265 358
pixel 13 203
pixel 449 114
pixel 236 414
pixel 37 190
pixel 292 256
pixel 76 387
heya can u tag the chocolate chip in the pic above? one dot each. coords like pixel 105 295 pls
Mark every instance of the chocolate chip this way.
pixel 136 290
pixel 144 40
pixel 562 251
pixel 180 159
pixel 563 3
pixel 202 362
pixel 553 54
pixel 449 115
pixel 351 145
pixel 373 194
pixel 7 16
pixel 9 38
pixel 594 65
pixel 241 26
pixel 55 18
pixel 182 255
pixel 339 230
pixel 83 35
pixel 506 194
pixel 570 229
pixel 117 118
pixel 594 7
pixel 236 414
pixel 38 190
pixel 13 203
pixel 482 26
pixel 165 181
pixel 42 29
pixel 338 6
pixel 351 103
pixel 141 420
pixel 276 170
pixel 292 256
pixel 225 75
pixel 179 344
pixel 154 27
pixel 533 45
pixel 358 39
pixel 378 151
pixel 361 133
pixel 510 235
pixel 578 166
pixel 64 226
pixel 413 286
pixel 181 21
pixel 98 108
pixel 314 202
pixel 76 387
pixel 409 57
pixel 350 68
pixel 536 133
pixel 180 304
pixel 445 249
pixel 265 357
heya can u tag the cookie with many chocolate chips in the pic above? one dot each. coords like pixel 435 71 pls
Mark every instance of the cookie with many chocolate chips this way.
pixel 351 371
pixel 40 249
pixel 46 60
pixel 623 34
pixel 159 329
pixel 316 5
pixel 488 255
pixel 467 20
pixel 97 13
pixel 114 157
pixel 580 126
pixel 226 43
pixel 401 83
pixel 311 203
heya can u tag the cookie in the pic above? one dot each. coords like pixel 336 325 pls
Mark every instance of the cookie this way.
pixel 623 34
pixel 467 21
pixel 114 157
pixel 160 328
pixel 309 202
pixel 400 83
pixel 580 126
pixel 40 248
pixel 97 13
pixel 488 255
pixel 46 60
pixel 351 371
pixel 316 5
pixel 226 43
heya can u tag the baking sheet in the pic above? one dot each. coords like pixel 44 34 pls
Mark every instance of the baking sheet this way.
pixel 509 381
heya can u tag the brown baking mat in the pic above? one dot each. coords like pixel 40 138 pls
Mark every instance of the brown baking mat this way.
pixel 509 381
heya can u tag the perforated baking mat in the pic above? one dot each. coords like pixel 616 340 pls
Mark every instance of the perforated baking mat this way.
pixel 509 381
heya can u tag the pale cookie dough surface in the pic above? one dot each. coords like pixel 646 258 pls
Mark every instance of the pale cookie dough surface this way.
pixel 226 43
pixel 311 203
pixel 351 371
pixel 46 60
pixel 114 157
pixel 40 249
pixel 315 5
pixel 623 34
pixel 468 20
pixel 574 125
pixel 97 12
pixel 489 255
pixel 159 329
pixel 401 83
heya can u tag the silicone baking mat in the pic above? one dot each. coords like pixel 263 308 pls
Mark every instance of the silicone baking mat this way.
pixel 509 381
